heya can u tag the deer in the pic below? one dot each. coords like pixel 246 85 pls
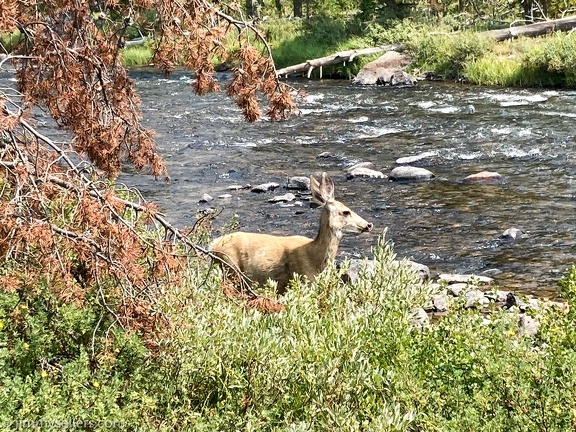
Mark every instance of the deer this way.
pixel 261 257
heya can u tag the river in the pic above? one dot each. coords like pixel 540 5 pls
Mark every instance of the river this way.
pixel 526 135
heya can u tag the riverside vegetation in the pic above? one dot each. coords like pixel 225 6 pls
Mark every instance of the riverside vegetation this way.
pixel 111 319
pixel 437 49
pixel 338 357
pixel 446 46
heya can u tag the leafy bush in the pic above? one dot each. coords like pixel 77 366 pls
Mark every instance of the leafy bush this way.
pixel 339 357
pixel 448 54
pixel 555 56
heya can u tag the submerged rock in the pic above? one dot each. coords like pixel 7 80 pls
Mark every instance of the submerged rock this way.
pixel 412 159
pixel 283 198
pixel 512 234
pixel 238 187
pixel 206 198
pixel 325 154
pixel 364 172
pixel 410 173
pixel 487 177
pixel 367 165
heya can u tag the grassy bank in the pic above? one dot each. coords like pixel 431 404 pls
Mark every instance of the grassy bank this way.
pixel 340 357
pixel 445 49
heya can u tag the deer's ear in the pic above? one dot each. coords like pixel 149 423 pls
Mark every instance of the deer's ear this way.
pixel 316 192
pixel 323 190
pixel 327 188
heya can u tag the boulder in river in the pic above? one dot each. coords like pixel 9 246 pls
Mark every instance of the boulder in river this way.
pixel 206 198
pixel 287 197
pixel 389 69
pixel 364 172
pixel 410 173
pixel 512 234
pixel 368 165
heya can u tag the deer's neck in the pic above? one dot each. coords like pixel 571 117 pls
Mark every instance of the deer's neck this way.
pixel 325 245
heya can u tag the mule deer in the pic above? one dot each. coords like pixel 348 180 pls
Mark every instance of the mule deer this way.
pixel 262 256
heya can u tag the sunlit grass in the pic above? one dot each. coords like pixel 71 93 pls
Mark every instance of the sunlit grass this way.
pixel 139 55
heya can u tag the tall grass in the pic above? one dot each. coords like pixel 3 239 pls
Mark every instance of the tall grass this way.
pixel 138 55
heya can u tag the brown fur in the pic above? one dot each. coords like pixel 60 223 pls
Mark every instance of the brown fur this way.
pixel 262 256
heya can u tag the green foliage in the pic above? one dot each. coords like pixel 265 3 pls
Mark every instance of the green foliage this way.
pixel 8 41
pixel 542 62
pixel 448 54
pixel 556 56
pixel 339 357
pixel 61 363
pixel 138 55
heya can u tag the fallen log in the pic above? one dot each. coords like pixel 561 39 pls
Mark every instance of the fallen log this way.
pixel 338 58
pixel 532 30
pixel 138 41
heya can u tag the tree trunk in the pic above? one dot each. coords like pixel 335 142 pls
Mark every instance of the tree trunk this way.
pixel 531 30
pixel 251 9
pixel 297 6
pixel 279 8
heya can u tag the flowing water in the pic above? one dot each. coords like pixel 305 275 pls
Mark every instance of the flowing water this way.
pixel 528 136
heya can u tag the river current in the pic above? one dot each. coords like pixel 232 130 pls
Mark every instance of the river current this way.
pixel 526 135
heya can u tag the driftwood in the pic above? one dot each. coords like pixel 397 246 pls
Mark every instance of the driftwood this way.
pixel 338 58
pixel 138 41
pixel 530 30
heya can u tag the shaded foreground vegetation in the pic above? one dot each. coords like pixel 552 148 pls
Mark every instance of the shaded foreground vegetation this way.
pixel 339 357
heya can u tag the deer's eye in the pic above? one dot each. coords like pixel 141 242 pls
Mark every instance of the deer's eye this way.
pixel 346 213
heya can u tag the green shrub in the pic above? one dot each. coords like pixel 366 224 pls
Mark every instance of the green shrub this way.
pixel 555 55
pixel 448 54
pixel 339 357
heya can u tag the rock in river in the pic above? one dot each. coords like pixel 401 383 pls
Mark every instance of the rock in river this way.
pixel 298 183
pixel 364 172
pixel 415 158
pixel 484 177
pixel 512 234
pixel 283 198
pixel 265 187
pixel 407 173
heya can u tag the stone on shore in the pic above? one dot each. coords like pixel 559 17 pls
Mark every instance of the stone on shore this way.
pixel 389 69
